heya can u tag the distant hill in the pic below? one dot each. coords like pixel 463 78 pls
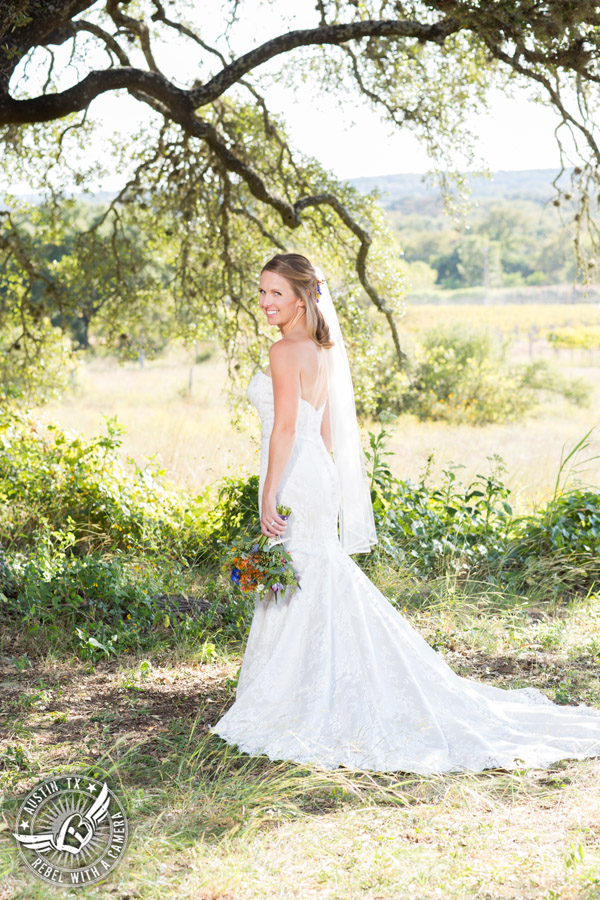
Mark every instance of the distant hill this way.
pixel 400 191
pixel 403 192
pixel 98 197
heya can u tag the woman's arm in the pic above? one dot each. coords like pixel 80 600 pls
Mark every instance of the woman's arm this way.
pixel 285 374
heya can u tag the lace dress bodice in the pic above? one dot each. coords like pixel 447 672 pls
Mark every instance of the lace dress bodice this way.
pixel 310 476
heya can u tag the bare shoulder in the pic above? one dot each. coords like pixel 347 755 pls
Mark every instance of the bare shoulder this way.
pixel 285 356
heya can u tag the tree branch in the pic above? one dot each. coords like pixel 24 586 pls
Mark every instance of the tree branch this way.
pixel 553 93
pixel 361 257
pixel 325 34
pixel 44 18
pixel 233 163
pixel 109 40
pixel 154 84
pixel 78 97
pixel 133 26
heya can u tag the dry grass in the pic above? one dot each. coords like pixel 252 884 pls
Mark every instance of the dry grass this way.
pixel 507 318
pixel 193 438
pixel 190 435
pixel 531 449
pixel 208 822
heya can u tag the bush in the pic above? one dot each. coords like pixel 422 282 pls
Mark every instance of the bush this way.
pixel 569 522
pixel 558 546
pixel 87 543
pixel 473 529
pixel 49 479
pixel 434 529
pixel 540 375
pixel 460 373
pixel 221 513
pixel 580 337
pixel 93 605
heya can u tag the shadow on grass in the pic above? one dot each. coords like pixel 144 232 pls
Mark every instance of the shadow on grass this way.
pixel 143 725
pixel 182 785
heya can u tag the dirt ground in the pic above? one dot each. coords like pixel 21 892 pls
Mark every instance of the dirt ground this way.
pixel 54 712
pixel 57 713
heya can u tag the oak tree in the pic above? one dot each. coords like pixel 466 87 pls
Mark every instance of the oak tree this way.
pixel 214 182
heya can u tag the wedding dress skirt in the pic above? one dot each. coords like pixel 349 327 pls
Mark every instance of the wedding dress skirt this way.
pixel 334 674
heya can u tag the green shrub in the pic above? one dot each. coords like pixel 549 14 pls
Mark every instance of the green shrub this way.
pixel 388 386
pixel 473 529
pixel 580 337
pixel 557 548
pixel 92 604
pixel 569 522
pixel 221 513
pixel 541 375
pixel 461 373
pixel 433 529
pixel 50 476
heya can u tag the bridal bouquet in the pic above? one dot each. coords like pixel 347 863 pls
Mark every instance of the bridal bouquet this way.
pixel 262 565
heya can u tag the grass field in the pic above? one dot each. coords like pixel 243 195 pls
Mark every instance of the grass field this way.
pixel 196 444
pixel 209 823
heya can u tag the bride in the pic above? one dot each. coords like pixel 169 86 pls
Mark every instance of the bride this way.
pixel 333 674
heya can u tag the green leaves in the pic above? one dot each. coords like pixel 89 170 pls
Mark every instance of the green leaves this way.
pixel 473 529
pixel 215 186
pixel 570 522
pixel 461 373
pixel 438 527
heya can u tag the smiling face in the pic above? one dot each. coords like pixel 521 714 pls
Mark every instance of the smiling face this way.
pixel 278 300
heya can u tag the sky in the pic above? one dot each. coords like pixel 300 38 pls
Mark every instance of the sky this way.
pixel 349 140
pixel 515 134
pixel 353 142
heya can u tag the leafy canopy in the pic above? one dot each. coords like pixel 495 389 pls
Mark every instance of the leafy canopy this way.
pixel 212 186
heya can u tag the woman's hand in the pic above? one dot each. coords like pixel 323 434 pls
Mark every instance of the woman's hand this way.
pixel 270 514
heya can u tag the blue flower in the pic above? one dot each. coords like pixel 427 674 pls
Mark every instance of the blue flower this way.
pixel 235 575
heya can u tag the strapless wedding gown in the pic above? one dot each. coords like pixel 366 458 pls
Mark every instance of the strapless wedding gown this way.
pixel 334 674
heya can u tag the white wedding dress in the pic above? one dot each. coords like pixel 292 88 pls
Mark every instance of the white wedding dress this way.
pixel 334 674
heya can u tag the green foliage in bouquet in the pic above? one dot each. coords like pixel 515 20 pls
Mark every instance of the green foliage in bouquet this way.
pixel 261 565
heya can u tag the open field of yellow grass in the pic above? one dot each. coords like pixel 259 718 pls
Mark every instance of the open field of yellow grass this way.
pixel 506 317
pixel 196 444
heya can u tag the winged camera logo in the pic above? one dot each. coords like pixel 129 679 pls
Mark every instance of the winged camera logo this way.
pixel 71 830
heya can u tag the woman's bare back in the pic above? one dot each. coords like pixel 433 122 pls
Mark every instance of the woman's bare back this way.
pixel 313 379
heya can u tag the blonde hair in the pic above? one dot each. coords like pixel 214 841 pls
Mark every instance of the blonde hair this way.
pixel 299 272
